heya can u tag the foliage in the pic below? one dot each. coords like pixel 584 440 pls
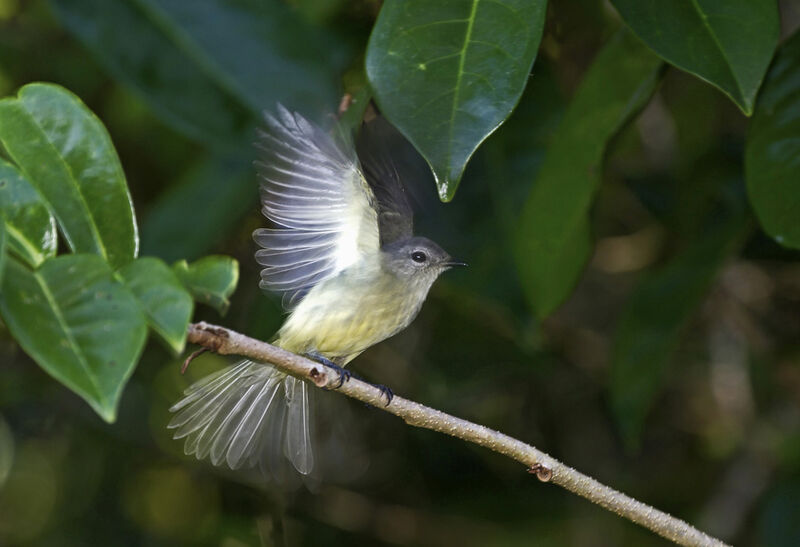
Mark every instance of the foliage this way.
pixel 84 317
pixel 623 308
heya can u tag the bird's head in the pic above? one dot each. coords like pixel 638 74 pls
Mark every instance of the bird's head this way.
pixel 418 259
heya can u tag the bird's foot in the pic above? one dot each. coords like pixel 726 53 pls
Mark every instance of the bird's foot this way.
pixel 344 375
pixel 385 391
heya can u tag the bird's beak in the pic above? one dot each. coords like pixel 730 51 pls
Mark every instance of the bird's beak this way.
pixel 452 262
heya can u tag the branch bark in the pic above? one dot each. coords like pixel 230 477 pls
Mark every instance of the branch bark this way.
pixel 546 468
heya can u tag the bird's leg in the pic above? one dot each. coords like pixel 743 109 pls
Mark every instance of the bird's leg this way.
pixel 344 375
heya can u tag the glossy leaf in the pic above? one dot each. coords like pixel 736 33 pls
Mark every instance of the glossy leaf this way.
pixel 448 73
pixel 728 43
pixel 208 68
pixel 31 228
pixel 211 280
pixel 78 323
pixel 195 213
pixel 166 303
pixel 772 159
pixel 66 153
pixel 659 307
pixel 553 242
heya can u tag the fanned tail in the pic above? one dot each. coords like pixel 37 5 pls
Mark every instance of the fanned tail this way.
pixel 247 415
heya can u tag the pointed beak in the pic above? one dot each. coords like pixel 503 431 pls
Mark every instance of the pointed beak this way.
pixel 452 263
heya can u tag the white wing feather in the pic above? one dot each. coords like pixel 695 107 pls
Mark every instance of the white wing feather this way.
pixel 313 189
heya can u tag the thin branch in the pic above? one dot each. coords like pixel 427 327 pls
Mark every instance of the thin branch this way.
pixel 546 468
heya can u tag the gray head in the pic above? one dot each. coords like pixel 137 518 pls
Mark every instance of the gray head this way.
pixel 417 258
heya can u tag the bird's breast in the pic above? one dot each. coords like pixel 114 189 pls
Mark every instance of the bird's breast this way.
pixel 344 315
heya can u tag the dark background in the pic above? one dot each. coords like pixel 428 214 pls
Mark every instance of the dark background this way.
pixel 720 446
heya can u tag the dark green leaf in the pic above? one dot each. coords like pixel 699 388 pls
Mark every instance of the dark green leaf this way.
pixel 65 151
pixel 78 323
pixel 163 298
pixel 772 159
pixel 448 73
pixel 553 236
pixel 209 68
pixel 194 214
pixel 728 43
pixel 31 228
pixel 211 280
pixel 659 307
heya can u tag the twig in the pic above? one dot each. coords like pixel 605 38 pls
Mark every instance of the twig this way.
pixel 546 468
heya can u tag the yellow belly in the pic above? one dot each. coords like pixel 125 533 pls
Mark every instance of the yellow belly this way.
pixel 342 317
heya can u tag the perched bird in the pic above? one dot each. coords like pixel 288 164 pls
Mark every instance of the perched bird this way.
pixel 343 256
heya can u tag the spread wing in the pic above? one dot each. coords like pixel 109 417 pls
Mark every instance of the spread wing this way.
pixel 376 143
pixel 314 192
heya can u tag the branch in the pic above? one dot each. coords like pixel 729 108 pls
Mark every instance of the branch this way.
pixel 546 468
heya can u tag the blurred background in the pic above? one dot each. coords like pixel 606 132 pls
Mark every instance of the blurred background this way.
pixel 683 289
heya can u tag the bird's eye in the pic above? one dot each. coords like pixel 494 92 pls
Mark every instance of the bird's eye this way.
pixel 419 257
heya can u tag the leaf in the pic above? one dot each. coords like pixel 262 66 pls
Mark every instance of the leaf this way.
pixel 3 244
pixel 447 75
pixel 78 323
pixel 211 280
pixel 200 210
pixel 553 243
pixel 772 155
pixel 166 303
pixel 31 228
pixel 66 153
pixel 661 304
pixel 728 43
pixel 208 68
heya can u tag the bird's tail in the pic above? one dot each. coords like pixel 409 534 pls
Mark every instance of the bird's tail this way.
pixel 247 415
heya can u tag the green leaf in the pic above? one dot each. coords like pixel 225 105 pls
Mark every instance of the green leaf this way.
pixel 659 307
pixel 728 43
pixel 208 68
pixel 3 238
pixel 772 156
pixel 553 242
pixel 65 151
pixel 31 228
pixel 166 303
pixel 211 280
pixel 448 73
pixel 78 323
pixel 200 210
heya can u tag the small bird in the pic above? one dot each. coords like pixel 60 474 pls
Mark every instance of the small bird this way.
pixel 351 273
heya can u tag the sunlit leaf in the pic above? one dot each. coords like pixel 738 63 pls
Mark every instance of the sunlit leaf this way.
pixel 211 280
pixel 66 153
pixel 448 73
pixel 726 42
pixel 31 228
pixel 659 307
pixel 166 303
pixel 552 243
pixel 772 159
pixel 78 323
pixel 208 68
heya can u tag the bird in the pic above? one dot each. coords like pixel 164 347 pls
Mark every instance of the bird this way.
pixel 342 255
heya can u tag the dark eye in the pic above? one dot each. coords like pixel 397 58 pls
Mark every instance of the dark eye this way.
pixel 419 257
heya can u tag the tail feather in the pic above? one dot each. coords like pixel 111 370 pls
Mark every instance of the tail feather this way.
pixel 246 415
pixel 298 432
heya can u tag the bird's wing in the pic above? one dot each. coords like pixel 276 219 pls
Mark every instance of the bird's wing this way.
pixel 313 190
pixel 376 143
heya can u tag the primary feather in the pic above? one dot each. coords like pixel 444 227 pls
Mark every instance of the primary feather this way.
pixel 313 189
